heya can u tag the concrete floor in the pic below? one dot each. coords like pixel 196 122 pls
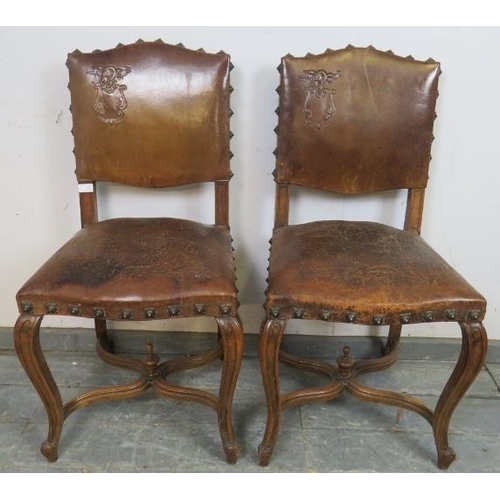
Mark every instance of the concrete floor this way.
pixel 152 434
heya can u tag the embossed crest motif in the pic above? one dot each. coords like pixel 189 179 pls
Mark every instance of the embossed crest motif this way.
pixel 318 105
pixel 109 101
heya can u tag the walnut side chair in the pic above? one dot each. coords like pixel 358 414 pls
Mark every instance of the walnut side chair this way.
pixel 353 121
pixel 152 115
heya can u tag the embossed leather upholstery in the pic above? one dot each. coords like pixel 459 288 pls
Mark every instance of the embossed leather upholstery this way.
pixel 380 132
pixel 328 269
pixel 117 266
pixel 177 101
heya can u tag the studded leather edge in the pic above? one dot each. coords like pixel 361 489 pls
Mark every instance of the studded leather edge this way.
pixel 378 318
pixel 139 312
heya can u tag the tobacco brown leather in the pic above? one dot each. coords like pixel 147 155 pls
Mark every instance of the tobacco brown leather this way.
pixel 359 120
pixel 137 265
pixel 167 112
pixel 148 114
pixel 369 269
pixel 380 132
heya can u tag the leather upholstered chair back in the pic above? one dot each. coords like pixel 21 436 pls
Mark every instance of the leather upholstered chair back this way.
pixel 138 109
pixel 356 120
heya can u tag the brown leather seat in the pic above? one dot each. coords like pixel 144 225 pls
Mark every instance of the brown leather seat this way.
pixel 383 275
pixel 101 268
pixel 150 115
pixel 352 121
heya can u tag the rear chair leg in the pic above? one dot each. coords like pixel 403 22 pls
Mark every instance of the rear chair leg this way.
pixel 392 339
pixel 29 351
pixel 101 331
pixel 470 362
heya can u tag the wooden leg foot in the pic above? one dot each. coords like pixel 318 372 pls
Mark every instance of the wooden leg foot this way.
pixel 445 457
pixel 232 453
pixel 265 453
pixel 49 451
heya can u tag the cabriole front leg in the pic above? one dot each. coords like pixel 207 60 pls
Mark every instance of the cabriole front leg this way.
pixel 271 335
pixel 470 362
pixel 231 337
pixel 29 351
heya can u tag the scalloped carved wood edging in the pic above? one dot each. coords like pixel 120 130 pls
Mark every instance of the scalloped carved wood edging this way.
pixel 152 374
pixel 343 377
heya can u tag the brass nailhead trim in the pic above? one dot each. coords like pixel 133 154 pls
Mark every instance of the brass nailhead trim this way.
pixel 51 308
pixel 26 307
pixel 350 317
pixel 405 318
pixel 173 310
pixel 200 308
pixel 429 316
pixel 474 315
pixel 225 309
pixel 450 314
pixel 99 313
pixel 74 310
pixel 149 312
pixel 325 315
pixel 274 312
pixel 378 320
pixel 126 314
pixel 298 313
